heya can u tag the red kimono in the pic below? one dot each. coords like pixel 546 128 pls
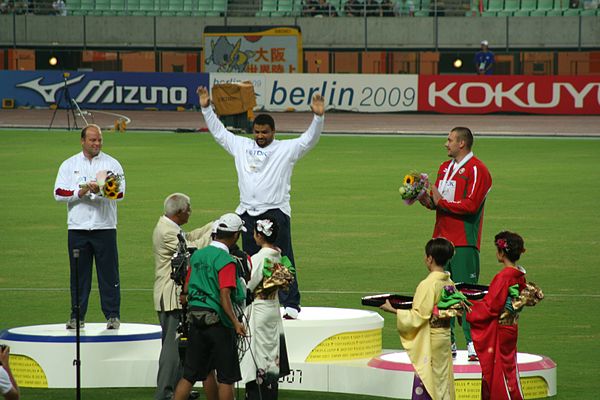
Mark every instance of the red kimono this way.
pixel 496 341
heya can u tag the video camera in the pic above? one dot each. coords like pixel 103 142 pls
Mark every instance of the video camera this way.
pixel 179 267
pixel 180 261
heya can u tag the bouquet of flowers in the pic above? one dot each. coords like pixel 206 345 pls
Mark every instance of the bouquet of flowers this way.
pixel 452 303
pixel 109 183
pixel 529 296
pixel 415 185
pixel 276 276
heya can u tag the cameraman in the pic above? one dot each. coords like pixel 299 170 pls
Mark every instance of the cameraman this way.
pixel 8 384
pixel 177 210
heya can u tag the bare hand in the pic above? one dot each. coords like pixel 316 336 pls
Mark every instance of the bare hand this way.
pixel 203 96
pixel 435 194
pixel 183 299
pixel 239 329
pixel 426 201
pixel 318 105
pixel 387 306
pixel 4 356
pixel 93 186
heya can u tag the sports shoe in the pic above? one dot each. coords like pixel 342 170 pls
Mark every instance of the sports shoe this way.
pixel 290 313
pixel 471 352
pixel 72 324
pixel 453 349
pixel 113 323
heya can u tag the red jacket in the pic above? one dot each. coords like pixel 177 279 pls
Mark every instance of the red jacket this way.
pixel 461 220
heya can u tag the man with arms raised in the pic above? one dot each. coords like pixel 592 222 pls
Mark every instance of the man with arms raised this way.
pixel 458 197
pixel 264 167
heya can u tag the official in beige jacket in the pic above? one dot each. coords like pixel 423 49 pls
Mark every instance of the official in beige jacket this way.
pixel 178 209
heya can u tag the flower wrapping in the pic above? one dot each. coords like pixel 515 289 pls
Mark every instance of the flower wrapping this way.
pixel 452 303
pixel 277 276
pixel 515 301
pixel 414 186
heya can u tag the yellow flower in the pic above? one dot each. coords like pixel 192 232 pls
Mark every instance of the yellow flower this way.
pixel 409 180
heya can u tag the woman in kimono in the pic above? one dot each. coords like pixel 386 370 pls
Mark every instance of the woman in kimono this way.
pixel 494 321
pixel 425 328
pixel 266 360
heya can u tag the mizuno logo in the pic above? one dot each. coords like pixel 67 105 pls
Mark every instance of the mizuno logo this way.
pixel 108 91
pixel 48 92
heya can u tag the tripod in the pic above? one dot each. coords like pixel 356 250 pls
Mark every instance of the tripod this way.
pixel 66 96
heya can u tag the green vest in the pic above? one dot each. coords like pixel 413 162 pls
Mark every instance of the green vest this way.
pixel 203 287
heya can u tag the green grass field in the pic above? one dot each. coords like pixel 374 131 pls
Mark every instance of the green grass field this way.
pixel 352 234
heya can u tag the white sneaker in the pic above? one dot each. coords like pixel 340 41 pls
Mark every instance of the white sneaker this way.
pixel 290 313
pixel 471 353
pixel 453 349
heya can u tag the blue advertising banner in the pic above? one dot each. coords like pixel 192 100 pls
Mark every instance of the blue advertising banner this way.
pixel 102 90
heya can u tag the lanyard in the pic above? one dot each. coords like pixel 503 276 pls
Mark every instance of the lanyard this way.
pixel 454 167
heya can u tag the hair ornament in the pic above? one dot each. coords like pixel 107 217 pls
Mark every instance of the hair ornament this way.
pixel 502 244
pixel 265 227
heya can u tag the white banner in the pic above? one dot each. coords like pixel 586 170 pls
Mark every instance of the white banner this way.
pixel 347 92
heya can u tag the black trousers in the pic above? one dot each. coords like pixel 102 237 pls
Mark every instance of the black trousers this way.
pixel 101 246
pixel 263 391
pixel 291 298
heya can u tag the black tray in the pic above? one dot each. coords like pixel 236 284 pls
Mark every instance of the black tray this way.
pixel 472 291
pixel 397 301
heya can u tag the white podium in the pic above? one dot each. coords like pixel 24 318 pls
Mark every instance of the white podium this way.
pixel 329 349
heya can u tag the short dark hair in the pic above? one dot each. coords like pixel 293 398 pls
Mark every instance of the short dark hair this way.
pixel 441 249
pixel 264 119
pixel 511 244
pixel 224 234
pixel 274 229
pixel 464 134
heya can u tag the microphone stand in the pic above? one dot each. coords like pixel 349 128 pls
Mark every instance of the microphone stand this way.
pixel 77 361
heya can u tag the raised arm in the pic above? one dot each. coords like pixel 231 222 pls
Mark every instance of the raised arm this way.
pixel 311 136
pixel 201 237
pixel 226 139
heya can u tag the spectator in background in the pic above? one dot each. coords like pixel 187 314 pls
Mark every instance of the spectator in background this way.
pixel 8 384
pixel 389 8
pixel 373 8
pixel 405 8
pixel 574 4
pixel 354 8
pixel 60 8
pixel 324 9
pixel 484 60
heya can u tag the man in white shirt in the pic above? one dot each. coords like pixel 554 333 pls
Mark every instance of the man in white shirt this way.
pixel 92 225
pixel 8 384
pixel 264 166
pixel 177 211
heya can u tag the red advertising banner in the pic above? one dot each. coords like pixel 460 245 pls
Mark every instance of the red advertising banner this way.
pixel 456 94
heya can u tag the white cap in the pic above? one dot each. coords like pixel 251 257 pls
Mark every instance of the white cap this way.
pixel 484 42
pixel 229 222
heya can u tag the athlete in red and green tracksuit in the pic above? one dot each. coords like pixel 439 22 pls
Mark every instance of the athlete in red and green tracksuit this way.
pixel 458 197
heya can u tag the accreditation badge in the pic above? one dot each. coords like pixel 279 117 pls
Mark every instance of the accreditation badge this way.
pixel 449 191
